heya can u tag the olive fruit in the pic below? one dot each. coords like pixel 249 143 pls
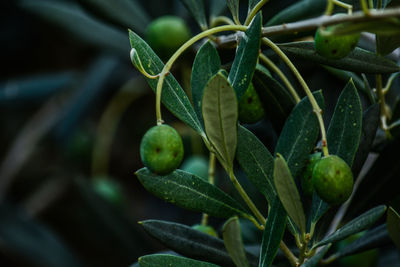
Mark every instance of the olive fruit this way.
pixel 166 34
pixel 196 165
pixel 332 180
pixel 250 106
pixel 205 229
pixel 161 149
pixel 109 190
pixel 306 178
pixel 334 46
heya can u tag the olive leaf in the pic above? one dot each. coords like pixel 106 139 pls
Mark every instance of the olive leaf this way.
pixel 318 209
pixel 345 127
pixel 370 123
pixel 385 27
pixel 359 60
pixel 190 242
pixel 393 226
pixel 196 8
pixel 299 10
pixel 314 260
pixel 233 6
pixel 358 224
pixel 374 238
pixel 161 260
pixel 173 96
pixel 125 13
pixel 252 4
pixel 220 113
pixel 206 64
pixel 190 192
pixel 20 234
pixel 288 193
pixel 246 58
pixel 233 242
pixel 299 134
pixel 373 191
pixel 68 14
pixel 257 162
pixel 273 233
pixel 276 100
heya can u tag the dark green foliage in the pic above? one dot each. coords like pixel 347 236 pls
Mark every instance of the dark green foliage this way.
pixel 191 192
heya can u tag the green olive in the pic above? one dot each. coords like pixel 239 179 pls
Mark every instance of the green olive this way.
pixel 332 179
pixel 161 149
pixel 250 106
pixel 196 165
pixel 109 190
pixel 334 46
pixel 166 34
pixel 306 178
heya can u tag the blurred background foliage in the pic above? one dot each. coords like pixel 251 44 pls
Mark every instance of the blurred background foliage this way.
pixel 73 111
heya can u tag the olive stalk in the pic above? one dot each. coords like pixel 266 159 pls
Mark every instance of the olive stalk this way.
pixel 254 11
pixel 317 110
pixel 211 179
pixel 282 76
pixel 174 57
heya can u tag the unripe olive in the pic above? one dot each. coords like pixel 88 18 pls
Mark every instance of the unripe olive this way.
pixel 306 178
pixel 333 180
pixel 161 149
pixel 335 46
pixel 109 190
pixel 166 34
pixel 250 106
pixel 197 165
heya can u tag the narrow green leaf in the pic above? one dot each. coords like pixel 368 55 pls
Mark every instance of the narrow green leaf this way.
pixel 375 191
pixel 277 102
pixel 233 6
pixel 299 10
pixel 375 238
pixel 345 76
pixel 246 57
pixel 313 261
pixel 68 15
pixel 233 242
pixel 216 8
pixel 173 96
pixel 162 260
pixel 385 27
pixel 387 43
pixel 345 127
pixel 393 226
pixel 273 233
pixel 359 60
pixel 288 193
pixel 256 162
pixel 299 134
pixel 252 4
pixel 190 192
pixel 318 209
pixel 196 8
pixel 358 224
pixel 370 123
pixel 25 238
pixel 220 113
pixel 190 242
pixel 125 13
pixel 206 64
